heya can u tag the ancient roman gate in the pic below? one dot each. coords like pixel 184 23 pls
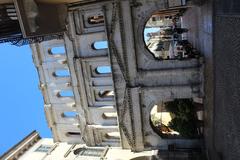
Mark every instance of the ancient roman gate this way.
pixel 109 89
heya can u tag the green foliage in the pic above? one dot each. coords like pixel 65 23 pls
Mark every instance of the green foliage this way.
pixel 185 120
pixel 187 129
pixel 180 106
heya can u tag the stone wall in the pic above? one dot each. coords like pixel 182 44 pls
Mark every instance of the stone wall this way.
pixel 138 80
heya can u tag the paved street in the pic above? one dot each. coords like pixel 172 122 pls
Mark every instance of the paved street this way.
pixel 227 80
pixel 218 40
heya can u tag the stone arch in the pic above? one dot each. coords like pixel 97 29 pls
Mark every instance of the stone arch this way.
pixel 154 96
pixel 142 17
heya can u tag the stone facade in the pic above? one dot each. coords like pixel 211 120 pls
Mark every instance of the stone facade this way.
pixel 88 122
pixel 138 80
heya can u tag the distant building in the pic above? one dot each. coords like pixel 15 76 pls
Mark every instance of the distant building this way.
pixel 33 147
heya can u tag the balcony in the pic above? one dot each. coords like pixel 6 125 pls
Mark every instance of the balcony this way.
pixel 24 22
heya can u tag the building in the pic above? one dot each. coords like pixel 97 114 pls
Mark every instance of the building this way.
pixel 98 79
pixel 139 80
pixel 83 89
pixel 33 147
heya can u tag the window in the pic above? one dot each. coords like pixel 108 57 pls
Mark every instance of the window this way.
pixel 70 114
pixel 153 18
pixel 43 148
pixel 72 134
pixel 99 45
pixel 103 70
pixel 98 19
pixel 61 73
pixel 94 152
pixel 106 94
pixel 65 93
pixel 113 135
pixel 159 47
pixel 57 50
pixel 109 115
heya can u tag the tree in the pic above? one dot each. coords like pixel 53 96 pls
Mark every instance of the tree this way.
pixel 185 120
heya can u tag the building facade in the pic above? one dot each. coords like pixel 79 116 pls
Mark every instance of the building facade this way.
pixel 33 147
pixel 99 80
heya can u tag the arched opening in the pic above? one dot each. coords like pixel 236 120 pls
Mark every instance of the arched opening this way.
pixel 60 50
pixel 106 93
pixel 95 152
pixel 109 115
pixel 65 93
pixel 165 38
pixel 62 61
pixel 103 70
pixel 176 119
pixel 97 19
pixel 70 114
pixel 112 135
pixel 61 73
pixel 73 134
pixel 99 45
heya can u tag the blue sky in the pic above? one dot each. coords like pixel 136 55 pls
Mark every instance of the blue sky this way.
pixel 150 30
pixel 21 101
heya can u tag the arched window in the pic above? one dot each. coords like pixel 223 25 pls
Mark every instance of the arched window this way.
pixel 112 135
pixel 65 93
pixel 60 50
pixel 99 45
pixel 106 94
pixel 97 19
pixel 73 134
pixel 70 114
pixel 103 70
pixel 95 152
pixel 109 115
pixel 44 148
pixel 61 73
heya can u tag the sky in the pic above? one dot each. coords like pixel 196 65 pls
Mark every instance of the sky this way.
pixel 150 30
pixel 21 101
